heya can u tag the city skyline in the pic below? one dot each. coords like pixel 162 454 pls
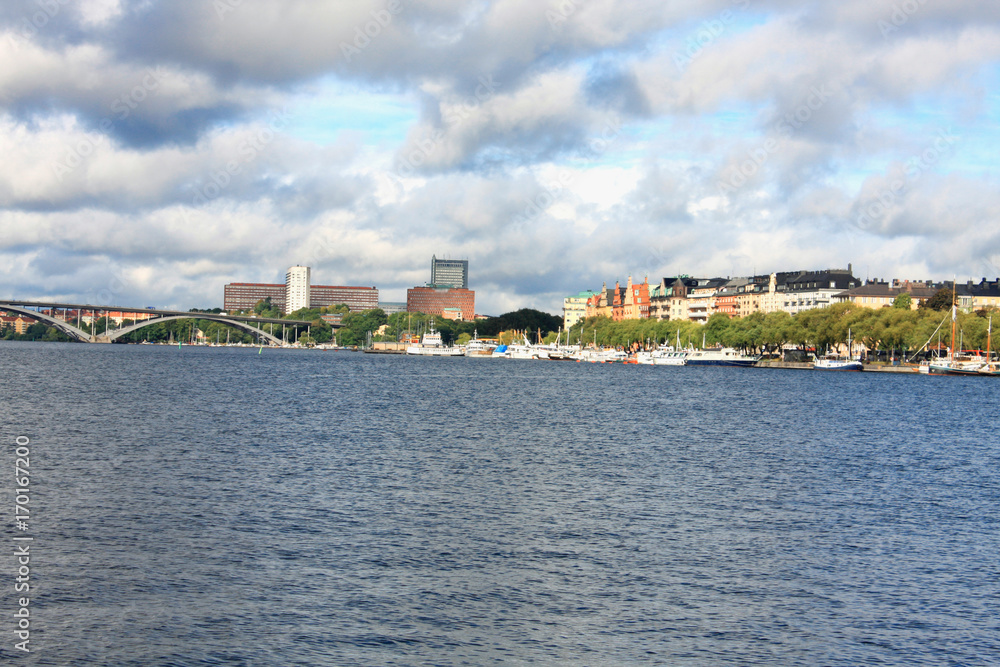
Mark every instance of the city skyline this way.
pixel 159 150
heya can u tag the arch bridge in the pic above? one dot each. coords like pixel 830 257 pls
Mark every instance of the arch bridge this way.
pixel 34 310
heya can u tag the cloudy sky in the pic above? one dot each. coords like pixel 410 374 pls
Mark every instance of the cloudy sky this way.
pixel 154 150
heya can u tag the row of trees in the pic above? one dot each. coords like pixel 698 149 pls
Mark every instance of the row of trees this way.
pixel 898 328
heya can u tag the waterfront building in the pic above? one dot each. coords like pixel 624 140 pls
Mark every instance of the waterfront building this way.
pixel 635 300
pixel 449 273
pixel 702 298
pixel 297 288
pixel 881 294
pixel 18 323
pixel 618 302
pixel 675 305
pixel 355 298
pixel 983 296
pixel 244 296
pixel 725 297
pixel 602 303
pixel 575 308
pixel 814 289
pixel 434 301
pixel 969 296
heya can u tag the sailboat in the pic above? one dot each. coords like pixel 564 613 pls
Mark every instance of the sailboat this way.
pixel 958 363
pixel 835 362
pixel 944 366
pixel 991 367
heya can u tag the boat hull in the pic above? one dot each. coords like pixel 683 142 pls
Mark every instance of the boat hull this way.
pixel 418 351
pixel 742 363
pixel 823 365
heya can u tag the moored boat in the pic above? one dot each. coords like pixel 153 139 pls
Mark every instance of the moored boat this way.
pixel 664 356
pixel 836 362
pixel 479 348
pixel 725 356
pixel 431 345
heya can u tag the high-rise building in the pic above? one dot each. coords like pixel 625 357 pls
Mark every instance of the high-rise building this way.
pixel 244 296
pixel 297 288
pixel 449 273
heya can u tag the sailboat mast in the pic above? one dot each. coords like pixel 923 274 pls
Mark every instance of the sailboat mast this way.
pixel 954 315
pixel 989 333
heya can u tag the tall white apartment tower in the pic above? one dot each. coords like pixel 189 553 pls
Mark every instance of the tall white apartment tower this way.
pixel 296 288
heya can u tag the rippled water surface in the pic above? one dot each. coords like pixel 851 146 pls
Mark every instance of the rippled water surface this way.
pixel 220 506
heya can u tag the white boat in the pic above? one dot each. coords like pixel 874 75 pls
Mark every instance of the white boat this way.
pixel 835 362
pixel 725 356
pixel 663 356
pixel 432 346
pixel 479 348
pixel 522 351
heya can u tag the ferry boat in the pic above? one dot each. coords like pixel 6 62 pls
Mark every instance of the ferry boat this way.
pixel 664 356
pixel 479 348
pixel 431 345
pixel 725 356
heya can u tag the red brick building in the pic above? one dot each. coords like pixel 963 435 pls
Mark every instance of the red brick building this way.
pixel 434 300
pixel 244 296
pixel 355 298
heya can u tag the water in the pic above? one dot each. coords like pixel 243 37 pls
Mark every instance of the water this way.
pixel 224 507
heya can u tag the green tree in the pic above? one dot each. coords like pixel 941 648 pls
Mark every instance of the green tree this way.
pixel 903 301
pixel 942 300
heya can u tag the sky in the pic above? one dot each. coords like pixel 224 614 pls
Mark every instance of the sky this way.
pixel 153 151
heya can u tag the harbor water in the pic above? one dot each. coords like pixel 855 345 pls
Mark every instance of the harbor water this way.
pixel 230 506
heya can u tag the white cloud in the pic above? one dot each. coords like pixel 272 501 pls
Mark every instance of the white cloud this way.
pixel 191 183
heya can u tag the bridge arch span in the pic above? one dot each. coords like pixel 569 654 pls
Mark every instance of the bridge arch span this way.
pixel 118 333
pixel 65 327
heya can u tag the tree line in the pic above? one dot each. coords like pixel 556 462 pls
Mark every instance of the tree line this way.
pixel 893 329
